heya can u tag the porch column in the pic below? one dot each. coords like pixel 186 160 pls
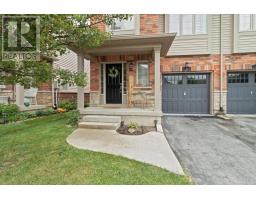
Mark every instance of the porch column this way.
pixel 158 96
pixel 80 90
pixel 19 100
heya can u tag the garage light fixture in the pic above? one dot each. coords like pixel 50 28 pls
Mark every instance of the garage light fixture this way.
pixel 186 67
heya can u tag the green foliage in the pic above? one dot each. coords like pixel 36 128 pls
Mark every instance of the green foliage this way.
pixel 50 111
pixel 9 109
pixel 8 112
pixel 26 115
pixel 57 33
pixel 133 125
pixel 68 105
pixel 73 118
pixel 40 113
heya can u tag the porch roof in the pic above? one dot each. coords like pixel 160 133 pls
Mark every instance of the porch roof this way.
pixel 127 44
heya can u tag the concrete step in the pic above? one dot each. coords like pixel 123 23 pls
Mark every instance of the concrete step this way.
pixel 99 125
pixel 102 118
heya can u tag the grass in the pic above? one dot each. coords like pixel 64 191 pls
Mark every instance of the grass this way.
pixel 36 152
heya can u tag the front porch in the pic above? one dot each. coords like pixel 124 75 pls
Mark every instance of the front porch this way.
pixel 125 78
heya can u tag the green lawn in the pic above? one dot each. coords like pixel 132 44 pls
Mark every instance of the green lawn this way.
pixel 36 152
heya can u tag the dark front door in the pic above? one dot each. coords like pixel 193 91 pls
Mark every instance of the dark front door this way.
pixel 186 93
pixel 114 83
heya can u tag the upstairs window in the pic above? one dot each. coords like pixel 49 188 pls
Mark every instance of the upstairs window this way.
pixel 122 25
pixel 247 22
pixel 188 24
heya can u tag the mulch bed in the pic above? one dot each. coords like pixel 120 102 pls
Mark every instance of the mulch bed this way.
pixel 140 131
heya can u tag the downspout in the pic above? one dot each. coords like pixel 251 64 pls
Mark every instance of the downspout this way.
pixel 53 93
pixel 221 65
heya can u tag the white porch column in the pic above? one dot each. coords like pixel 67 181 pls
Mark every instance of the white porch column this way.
pixel 80 90
pixel 158 96
pixel 19 95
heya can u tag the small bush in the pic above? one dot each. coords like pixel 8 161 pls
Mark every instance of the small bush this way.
pixel 73 118
pixel 8 112
pixel 133 125
pixel 50 111
pixel 68 105
pixel 40 113
pixel 26 115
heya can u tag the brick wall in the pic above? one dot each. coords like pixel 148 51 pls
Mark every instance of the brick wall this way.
pixel 73 97
pixel 149 24
pixel 45 87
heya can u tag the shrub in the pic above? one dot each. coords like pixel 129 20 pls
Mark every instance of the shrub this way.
pixel 68 105
pixel 25 115
pixel 50 111
pixel 40 113
pixel 73 118
pixel 8 112
pixel 133 125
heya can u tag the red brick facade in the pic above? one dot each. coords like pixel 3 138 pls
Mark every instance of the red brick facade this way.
pixel 149 24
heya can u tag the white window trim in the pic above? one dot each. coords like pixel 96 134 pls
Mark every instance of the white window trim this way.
pixel 252 24
pixel 137 74
pixel 167 26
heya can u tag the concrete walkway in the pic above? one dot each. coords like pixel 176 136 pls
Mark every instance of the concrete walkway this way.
pixel 151 148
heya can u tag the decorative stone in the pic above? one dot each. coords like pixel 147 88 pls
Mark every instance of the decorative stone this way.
pixel 131 130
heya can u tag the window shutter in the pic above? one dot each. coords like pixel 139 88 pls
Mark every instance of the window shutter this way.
pixel 244 22
pixel 254 22
pixel 174 24
pixel 200 24
pixel 187 24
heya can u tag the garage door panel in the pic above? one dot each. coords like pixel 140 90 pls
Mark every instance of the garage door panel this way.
pixel 189 96
pixel 241 98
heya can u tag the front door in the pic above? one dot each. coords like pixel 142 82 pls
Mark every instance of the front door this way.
pixel 113 83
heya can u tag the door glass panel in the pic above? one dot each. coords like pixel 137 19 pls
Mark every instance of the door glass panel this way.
pixel 196 79
pixel 174 79
pixel 242 77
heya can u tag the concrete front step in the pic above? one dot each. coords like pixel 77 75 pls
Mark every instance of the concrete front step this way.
pixel 102 118
pixel 99 125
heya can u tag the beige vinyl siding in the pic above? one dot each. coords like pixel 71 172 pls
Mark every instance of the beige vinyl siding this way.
pixel 189 44
pixel 161 23
pixel 205 44
pixel 227 31
pixel 244 42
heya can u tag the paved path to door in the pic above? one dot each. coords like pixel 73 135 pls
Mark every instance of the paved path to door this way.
pixel 212 150
pixel 151 148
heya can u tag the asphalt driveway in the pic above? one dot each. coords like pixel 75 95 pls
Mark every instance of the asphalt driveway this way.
pixel 212 150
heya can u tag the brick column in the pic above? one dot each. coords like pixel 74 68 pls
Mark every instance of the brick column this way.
pixel 19 95
pixel 80 90
pixel 158 96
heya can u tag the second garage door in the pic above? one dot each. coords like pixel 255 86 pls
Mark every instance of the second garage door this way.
pixel 241 93
pixel 186 93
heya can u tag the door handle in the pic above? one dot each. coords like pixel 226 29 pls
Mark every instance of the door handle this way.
pixel 185 93
pixel 251 92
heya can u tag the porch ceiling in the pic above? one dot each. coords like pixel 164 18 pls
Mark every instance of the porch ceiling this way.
pixel 128 44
